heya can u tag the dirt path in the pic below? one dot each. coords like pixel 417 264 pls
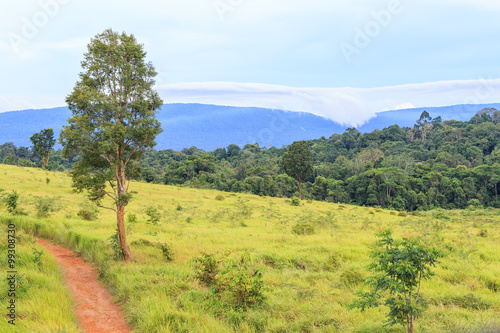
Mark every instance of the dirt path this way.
pixel 95 309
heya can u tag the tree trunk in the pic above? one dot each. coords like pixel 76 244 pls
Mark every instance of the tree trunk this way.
pixel 121 188
pixel 120 217
pixel 410 325
pixel 300 188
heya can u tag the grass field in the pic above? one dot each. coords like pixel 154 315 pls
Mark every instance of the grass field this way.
pixel 310 278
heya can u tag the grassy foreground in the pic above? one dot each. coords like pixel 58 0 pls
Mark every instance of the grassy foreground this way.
pixel 42 302
pixel 311 278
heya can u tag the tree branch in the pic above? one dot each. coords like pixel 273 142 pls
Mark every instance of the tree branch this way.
pixel 109 194
pixel 101 206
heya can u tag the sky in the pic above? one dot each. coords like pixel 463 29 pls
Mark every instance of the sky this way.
pixel 341 59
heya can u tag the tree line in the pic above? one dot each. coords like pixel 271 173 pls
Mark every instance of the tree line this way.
pixel 448 164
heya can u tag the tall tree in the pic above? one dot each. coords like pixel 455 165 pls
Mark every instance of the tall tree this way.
pixel 113 123
pixel 298 162
pixel 43 142
pixel 424 124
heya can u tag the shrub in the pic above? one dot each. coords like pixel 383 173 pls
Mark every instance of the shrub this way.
pixel 88 211
pixel 295 201
pixel 399 267
pixel 303 228
pixel 166 250
pixel 206 269
pixel 232 280
pixel 154 214
pixel 37 257
pixel 219 197
pixel 11 201
pixel 474 204
pixel 240 284
pixel 243 209
pixel 44 206
pixel 131 218
pixel 114 241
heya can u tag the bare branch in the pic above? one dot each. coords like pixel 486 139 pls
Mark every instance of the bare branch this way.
pixel 109 195
pixel 101 206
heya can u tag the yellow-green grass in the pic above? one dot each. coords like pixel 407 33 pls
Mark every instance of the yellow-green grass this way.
pixel 311 277
pixel 42 302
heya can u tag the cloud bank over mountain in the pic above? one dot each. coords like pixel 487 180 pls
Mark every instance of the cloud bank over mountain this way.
pixel 347 106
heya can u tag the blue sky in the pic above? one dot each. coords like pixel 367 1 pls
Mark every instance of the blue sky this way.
pixel 342 59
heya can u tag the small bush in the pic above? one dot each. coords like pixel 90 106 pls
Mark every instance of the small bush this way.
pixel 37 257
pixel 206 269
pixel 179 207
pixel 231 280
pixel 114 241
pixel 219 197
pixel 131 218
pixel 483 233
pixel 44 206
pixel 241 285
pixel 295 201
pixel 166 250
pixel 402 214
pixel 88 212
pixel 154 214
pixel 11 201
pixel 473 204
pixel 303 228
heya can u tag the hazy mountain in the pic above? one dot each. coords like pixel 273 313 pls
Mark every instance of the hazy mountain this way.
pixel 211 126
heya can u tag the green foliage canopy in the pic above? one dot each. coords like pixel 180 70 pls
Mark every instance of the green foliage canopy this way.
pixel 298 162
pixel 43 142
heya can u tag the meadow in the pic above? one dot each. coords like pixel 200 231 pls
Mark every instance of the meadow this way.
pixel 313 258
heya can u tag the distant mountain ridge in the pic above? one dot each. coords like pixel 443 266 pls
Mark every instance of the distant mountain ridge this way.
pixel 210 126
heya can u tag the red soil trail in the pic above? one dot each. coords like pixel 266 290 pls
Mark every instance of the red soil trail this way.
pixel 95 309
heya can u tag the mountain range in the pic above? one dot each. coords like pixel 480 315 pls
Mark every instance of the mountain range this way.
pixel 210 126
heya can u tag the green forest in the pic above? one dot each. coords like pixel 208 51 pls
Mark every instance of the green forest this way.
pixel 447 164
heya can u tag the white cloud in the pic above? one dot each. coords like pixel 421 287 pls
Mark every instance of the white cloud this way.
pixel 351 106
pixel 16 103
pixel 404 106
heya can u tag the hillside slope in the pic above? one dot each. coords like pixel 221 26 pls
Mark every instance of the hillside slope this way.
pixel 309 275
